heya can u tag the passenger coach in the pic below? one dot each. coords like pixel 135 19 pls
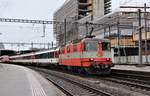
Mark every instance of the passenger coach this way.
pixel 41 58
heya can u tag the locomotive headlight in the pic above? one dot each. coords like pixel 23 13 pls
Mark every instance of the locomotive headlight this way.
pixel 91 59
pixel 108 59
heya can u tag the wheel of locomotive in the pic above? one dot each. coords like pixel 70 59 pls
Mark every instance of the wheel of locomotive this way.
pixel 97 71
pixel 106 71
pixel 79 70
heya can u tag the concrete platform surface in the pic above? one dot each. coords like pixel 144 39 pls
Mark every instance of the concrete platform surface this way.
pixel 21 81
pixel 142 68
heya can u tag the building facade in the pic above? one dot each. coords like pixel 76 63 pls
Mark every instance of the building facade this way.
pixel 74 10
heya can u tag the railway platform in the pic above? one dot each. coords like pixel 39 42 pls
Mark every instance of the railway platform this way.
pixel 21 81
pixel 132 67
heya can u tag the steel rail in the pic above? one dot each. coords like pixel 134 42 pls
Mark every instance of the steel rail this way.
pixel 61 88
pixel 94 91
pixel 130 78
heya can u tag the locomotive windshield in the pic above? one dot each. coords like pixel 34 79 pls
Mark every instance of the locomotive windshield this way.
pixel 91 46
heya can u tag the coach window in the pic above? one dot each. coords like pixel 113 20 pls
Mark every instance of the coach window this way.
pixel 40 56
pixel 59 51
pixel 37 56
pixel 51 54
pixel 43 55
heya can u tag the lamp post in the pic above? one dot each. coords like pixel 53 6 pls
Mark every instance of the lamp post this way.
pixel 0 50
pixel 65 29
pixel 72 27
pixel 145 28
pixel 140 37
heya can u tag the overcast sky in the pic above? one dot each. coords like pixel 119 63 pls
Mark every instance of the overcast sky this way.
pixel 27 9
pixel 32 9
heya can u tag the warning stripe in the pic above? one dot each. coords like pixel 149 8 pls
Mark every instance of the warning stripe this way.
pixel 36 87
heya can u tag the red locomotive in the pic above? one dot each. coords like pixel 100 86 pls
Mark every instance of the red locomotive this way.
pixel 90 55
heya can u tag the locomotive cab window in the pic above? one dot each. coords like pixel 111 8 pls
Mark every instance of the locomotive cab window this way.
pixel 105 46
pixel 91 46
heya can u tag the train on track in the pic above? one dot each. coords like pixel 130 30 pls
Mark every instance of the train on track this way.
pixel 90 55
pixel 5 54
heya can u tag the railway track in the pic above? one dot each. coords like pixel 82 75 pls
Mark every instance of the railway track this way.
pixel 131 78
pixel 72 87
pixel 61 88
